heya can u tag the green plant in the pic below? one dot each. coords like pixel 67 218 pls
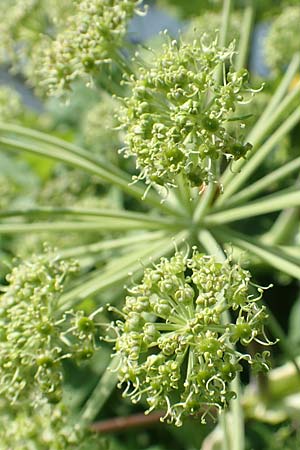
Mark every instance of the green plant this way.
pixel 199 179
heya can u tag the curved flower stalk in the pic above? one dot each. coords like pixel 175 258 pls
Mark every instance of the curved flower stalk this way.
pixel 281 45
pixel 93 37
pixel 177 113
pixel 35 339
pixel 176 350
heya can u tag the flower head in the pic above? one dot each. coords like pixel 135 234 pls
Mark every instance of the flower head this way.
pixel 93 36
pixel 48 427
pixel 177 113
pixel 35 336
pixel 281 43
pixel 175 344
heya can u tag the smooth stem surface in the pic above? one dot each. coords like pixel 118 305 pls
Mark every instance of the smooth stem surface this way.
pixel 80 162
pixel 101 393
pixel 265 182
pixel 271 255
pixel 237 435
pixel 276 109
pixel 286 198
pixel 245 36
pixel 283 341
pixel 257 158
pixel 83 250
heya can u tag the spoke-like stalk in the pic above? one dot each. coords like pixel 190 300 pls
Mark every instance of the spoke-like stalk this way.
pixel 284 343
pixel 284 227
pixel 120 269
pixel 110 244
pixel 106 224
pixel 278 107
pixel 67 157
pixel 207 197
pixel 101 393
pixel 257 158
pixel 90 214
pixel 238 435
pixel 245 36
pixel 271 255
pixel 287 198
pixel 265 182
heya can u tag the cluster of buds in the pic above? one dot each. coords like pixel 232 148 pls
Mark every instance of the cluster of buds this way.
pixel 35 336
pixel 281 44
pixel 25 29
pixel 49 427
pixel 99 127
pixel 175 342
pixel 11 105
pixel 93 36
pixel 177 113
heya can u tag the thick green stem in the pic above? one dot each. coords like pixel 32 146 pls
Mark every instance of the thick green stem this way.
pixel 285 227
pixel 120 269
pixel 271 255
pixel 83 250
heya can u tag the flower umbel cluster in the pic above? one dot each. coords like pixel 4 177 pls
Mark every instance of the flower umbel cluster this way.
pixel 92 37
pixel 177 113
pixel 49 427
pixel 35 336
pixel 175 342
pixel 281 44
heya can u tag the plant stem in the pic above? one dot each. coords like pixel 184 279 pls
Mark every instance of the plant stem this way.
pixel 258 157
pixel 235 438
pixel 284 342
pixel 265 182
pixel 276 109
pixel 120 269
pixel 286 198
pixel 271 255
pixel 65 156
pixel 101 393
pixel 83 250
pixel 243 48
